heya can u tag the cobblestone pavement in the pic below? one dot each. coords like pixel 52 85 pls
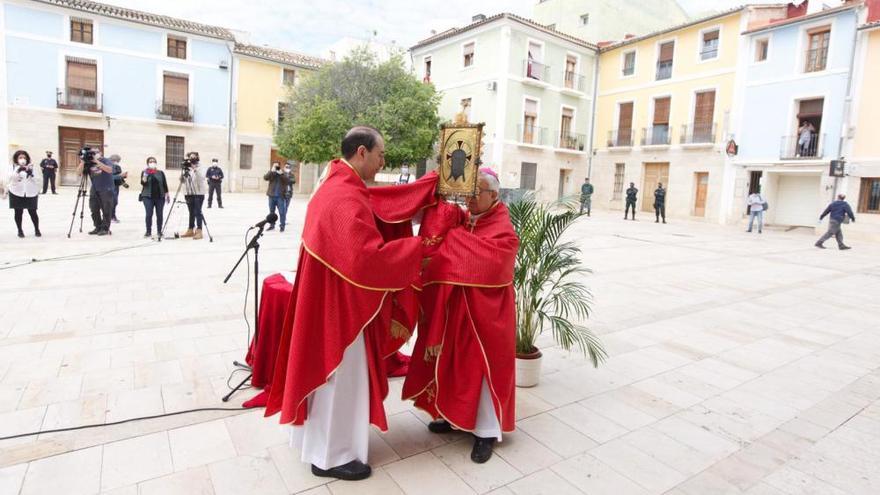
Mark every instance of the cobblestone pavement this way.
pixel 740 364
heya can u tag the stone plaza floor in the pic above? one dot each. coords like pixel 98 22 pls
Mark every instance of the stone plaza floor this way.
pixel 740 363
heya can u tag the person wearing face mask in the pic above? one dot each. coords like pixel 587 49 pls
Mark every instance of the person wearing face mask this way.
pixel 404 175
pixel 154 195
pixel 101 194
pixel 215 181
pixel 288 192
pixel 196 184
pixel 24 189
pixel 278 181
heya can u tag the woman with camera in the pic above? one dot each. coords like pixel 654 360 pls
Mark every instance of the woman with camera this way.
pixel 23 187
pixel 154 195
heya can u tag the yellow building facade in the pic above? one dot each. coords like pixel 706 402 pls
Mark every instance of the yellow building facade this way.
pixel 862 184
pixel 663 115
pixel 264 78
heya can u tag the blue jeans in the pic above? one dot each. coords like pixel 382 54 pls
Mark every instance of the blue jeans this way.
pixel 281 203
pixel 194 204
pixel 159 206
pixel 760 216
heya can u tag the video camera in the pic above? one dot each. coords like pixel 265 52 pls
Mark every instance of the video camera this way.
pixel 87 155
pixel 192 158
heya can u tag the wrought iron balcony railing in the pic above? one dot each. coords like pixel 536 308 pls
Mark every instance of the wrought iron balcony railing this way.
pixel 802 146
pixel 657 135
pixel 531 134
pixel 571 141
pixel 536 71
pixel 698 133
pixel 174 111
pixel 79 99
pixel 620 138
pixel 574 81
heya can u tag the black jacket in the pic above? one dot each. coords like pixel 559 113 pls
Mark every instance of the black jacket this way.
pixel 214 171
pixel 659 196
pixel 148 180
pixel 48 165
pixel 631 194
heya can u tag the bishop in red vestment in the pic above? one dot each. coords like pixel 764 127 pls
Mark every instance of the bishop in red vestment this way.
pixel 462 369
pixel 329 380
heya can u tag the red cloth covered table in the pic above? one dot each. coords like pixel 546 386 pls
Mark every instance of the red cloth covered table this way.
pixel 263 350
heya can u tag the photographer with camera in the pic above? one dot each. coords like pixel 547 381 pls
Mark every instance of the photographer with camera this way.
pixel 118 180
pixel 101 194
pixel 154 195
pixel 24 189
pixel 276 191
pixel 215 182
pixel 196 185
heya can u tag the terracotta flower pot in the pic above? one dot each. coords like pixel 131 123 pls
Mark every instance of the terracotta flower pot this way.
pixel 528 368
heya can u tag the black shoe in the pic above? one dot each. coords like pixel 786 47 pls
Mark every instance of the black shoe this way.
pixel 820 246
pixel 95 232
pixel 658 221
pixel 664 221
pixel 842 248
pixel 482 450
pixel 115 220
pixel 440 426
pixel 220 206
pixel 353 471
pixel 282 228
pixel 147 234
pixel 103 232
pixel 271 227
pixel 40 234
pixel 209 207
pixel 21 234
pixel 53 192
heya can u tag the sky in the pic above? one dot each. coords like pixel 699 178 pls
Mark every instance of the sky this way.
pixel 312 26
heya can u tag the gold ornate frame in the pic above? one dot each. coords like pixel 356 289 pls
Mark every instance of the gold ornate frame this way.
pixel 459 160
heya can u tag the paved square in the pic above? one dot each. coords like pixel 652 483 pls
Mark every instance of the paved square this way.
pixel 740 364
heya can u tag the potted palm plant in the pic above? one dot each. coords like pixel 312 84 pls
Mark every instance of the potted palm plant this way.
pixel 549 294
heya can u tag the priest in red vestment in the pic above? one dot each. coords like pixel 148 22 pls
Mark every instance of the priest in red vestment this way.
pixel 462 369
pixel 329 379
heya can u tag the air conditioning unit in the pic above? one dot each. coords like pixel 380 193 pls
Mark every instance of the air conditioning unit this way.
pixel 223 64
pixel 492 86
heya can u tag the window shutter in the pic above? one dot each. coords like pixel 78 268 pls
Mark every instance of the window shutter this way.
pixel 469 49
pixel 176 89
pixel 704 109
pixel 624 122
pixel 531 108
pixel 710 36
pixel 661 111
pixel 82 74
pixel 810 108
pixel 666 51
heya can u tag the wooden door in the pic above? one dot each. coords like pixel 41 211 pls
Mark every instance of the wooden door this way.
pixel 624 124
pixel 70 141
pixel 701 191
pixel 563 179
pixel 654 173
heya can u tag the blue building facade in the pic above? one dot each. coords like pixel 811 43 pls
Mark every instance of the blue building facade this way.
pixel 794 93
pixel 139 84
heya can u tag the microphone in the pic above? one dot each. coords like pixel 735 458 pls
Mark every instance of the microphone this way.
pixel 270 218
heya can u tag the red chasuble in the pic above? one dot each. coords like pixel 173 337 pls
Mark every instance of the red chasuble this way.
pixel 344 283
pixel 468 324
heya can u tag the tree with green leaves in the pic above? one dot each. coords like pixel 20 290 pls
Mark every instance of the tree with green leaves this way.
pixel 360 91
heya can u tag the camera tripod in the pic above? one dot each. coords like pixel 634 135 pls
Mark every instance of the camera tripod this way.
pixel 81 195
pixel 187 179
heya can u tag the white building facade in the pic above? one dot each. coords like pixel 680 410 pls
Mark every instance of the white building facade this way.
pixel 533 88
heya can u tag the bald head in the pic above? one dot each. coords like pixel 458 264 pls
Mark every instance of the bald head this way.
pixel 358 136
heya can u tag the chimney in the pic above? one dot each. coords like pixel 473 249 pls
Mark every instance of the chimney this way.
pixel 873 10
pixel 628 36
pixel 478 18
pixel 797 9
pixel 433 32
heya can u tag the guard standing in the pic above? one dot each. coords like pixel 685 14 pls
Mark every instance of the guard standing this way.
pixel 49 166
pixel 631 196
pixel 586 196
pixel 215 181
pixel 660 203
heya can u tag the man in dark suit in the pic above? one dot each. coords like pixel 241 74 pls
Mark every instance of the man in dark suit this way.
pixel 49 166
pixel 631 197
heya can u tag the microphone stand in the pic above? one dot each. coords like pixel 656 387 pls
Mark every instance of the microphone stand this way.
pixel 255 245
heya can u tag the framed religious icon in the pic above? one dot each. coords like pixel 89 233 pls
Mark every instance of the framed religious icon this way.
pixel 459 160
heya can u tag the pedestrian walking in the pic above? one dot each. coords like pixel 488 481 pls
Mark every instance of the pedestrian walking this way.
pixel 840 212
pixel 756 205
pixel 659 203
pixel 215 182
pixel 49 166
pixel 631 197
pixel 586 196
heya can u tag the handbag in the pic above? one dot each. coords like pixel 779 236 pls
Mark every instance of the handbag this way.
pixel 765 206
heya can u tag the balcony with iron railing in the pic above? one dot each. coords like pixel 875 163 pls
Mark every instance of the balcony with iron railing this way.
pixel 802 147
pixel 532 135
pixel 657 135
pixel 536 73
pixel 698 134
pixel 571 141
pixel 573 82
pixel 664 70
pixel 816 59
pixel 174 111
pixel 83 100
pixel 621 138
